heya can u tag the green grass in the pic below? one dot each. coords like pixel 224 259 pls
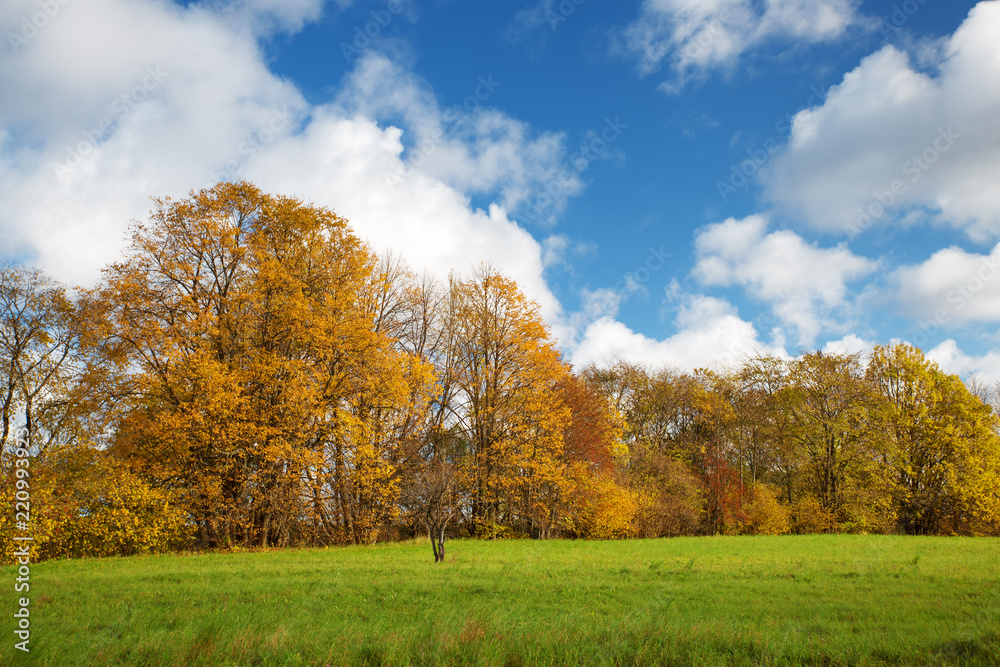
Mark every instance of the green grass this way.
pixel 811 600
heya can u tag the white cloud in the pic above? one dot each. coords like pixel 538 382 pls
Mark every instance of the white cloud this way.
pixel 471 146
pixel 602 302
pixel 132 99
pixel 531 27
pixel 952 287
pixel 288 15
pixel 344 162
pixel 216 110
pixel 709 333
pixel 806 285
pixel 560 251
pixel 694 36
pixel 850 344
pixel 891 140
pixel 951 359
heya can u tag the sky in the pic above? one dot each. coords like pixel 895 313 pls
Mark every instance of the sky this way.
pixel 677 183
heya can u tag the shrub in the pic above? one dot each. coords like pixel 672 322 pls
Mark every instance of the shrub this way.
pixel 598 506
pixel 125 517
pixel 764 514
pixel 612 511
pixel 83 503
pixel 809 516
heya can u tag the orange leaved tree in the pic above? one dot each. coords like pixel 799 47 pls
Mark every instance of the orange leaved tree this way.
pixel 258 382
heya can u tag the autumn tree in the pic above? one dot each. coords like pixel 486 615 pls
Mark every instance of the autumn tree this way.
pixel 83 501
pixel 433 495
pixel 597 501
pixel 948 453
pixel 593 433
pixel 250 373
pixel 671 498
pixel 504 405
pixel 765 514
pixel 761 423
pixel 837 426
pixel 248 330
pixel 39 354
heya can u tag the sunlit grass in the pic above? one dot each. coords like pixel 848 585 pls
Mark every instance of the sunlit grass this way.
pixel 842 600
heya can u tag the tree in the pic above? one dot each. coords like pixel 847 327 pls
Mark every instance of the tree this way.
pixel 503 404
pixel 593 433
pixel 433 497
pixel 261 377
pixel 671 497
pixel 948 463
pixel 761 423
pixel 39 348
pixel 764 514
pixel 836 424
pixel 596 502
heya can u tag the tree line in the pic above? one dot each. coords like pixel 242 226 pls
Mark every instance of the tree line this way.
pixel 250 374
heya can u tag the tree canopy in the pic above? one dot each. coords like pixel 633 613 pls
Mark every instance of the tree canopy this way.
pixel 251 374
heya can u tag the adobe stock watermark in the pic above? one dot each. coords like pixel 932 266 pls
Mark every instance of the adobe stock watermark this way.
pixel 913 169
pixel 22 538
pixel 121 109
pixel 363 35
pixel 697 48
pixel 958 298
pixel 899 17
pixel 590 150
pixel 255 143
pixel 556 15
pixel 634 280
pixel 766 322
pixel 742 171
pixel 426 146
pixel 223 7
pixel 32 25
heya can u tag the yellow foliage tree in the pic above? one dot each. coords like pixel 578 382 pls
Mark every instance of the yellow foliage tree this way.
pixel 502 379
pixel 948 466
pixel 259 382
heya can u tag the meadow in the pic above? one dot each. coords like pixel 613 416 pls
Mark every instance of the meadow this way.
pixel 789 600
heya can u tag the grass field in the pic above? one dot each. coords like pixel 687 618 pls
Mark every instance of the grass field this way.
pixel 810 600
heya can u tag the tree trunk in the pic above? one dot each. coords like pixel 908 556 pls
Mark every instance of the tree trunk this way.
pixel 265 529
pixel 439 549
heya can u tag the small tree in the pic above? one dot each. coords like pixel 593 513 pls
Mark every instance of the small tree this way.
pixel 433 499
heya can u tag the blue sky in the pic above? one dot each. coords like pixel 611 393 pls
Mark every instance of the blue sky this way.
pixel 676 182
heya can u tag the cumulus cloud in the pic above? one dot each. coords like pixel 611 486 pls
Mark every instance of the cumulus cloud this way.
pixel 850 344
pixel 891 144
pixel 346 161
pixel 113 101
pixel 951 359
pixel 709 333
pixel 117 100
pixel 952 287
pixel 694 36
pixel 805 285
pixel 470 145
